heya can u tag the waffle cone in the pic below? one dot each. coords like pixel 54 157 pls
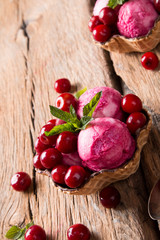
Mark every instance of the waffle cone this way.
pixel 122 44
pixel 103 178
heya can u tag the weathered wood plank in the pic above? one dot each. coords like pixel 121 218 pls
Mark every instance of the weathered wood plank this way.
pixel 15 147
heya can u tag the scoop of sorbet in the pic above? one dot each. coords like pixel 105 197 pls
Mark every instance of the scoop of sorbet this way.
pixel 108 106
pixel 136 18
pixel 105 144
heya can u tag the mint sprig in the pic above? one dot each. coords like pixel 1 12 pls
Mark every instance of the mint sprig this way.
pixel 114 3
pixel 91 106
pixel 18 233
pixel 73 124
pixel 80 92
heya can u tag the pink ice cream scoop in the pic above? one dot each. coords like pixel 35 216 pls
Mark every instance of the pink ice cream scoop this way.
pixel 109 104
pixel 105 144
pixel 72 159
pixel 136 18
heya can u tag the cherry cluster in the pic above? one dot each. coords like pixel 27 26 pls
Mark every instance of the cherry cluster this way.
pixel 104 25
pixel 50 149
pixel 132 105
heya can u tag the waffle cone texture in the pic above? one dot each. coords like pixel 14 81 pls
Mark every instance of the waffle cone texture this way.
pixel 121 44
pixel 103 178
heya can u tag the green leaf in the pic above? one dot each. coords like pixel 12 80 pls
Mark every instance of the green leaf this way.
pixel 29 225
pixel 61 128
pixel 114 3
pixel 21 238
pixel 72 111
pixel 13 232
pixel 58 113
pixel 80 92
pixel 91 106
pixel 67 117
pixel 84 121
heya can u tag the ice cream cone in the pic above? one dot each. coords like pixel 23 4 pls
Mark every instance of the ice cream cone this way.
pixel 101 179
pixel 122 44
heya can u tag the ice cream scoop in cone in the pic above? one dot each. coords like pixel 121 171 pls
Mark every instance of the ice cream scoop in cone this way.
pixel 121 44
pixel 102 178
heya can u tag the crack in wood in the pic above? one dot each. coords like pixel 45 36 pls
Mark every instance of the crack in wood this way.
pixel 30 210
pixel 23 27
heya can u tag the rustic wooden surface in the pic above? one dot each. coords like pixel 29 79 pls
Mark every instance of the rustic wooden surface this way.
pixel 41 41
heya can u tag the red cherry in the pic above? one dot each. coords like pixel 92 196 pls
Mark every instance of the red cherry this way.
pixel 66 142
pixel 20 181
pixel 35 232
pixel 58 173
pixel 78 232
pixel 51 140
pixel 108 16
pixel 101 33
pixel 157 5
pixel 62 85
pixel 37 163
pixel 131 103
pixel 50 158
pixel 75 176
pixel 149 61
pixel 94 22
pixel 64 101
pixel 39 146
pixel 52 121
pixel 136 121
pixel 109 197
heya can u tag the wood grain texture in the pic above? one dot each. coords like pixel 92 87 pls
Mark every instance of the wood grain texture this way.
pixel 41 41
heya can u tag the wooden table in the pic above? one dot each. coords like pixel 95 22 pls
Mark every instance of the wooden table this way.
pixel 41 41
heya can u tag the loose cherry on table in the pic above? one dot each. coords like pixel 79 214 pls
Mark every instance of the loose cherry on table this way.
pixel 58 173
pixel 64 101
pixel 109 197
pixel 50 140
pixel 149 61
pixel 75 176
pixel 78 232
pixel 35 232
pixel 66 142
pixel 157 5
pixel 101 33
pixel 94 22
pixel 108 16
pixel 21 181
pixel 37 163
pixel 131 103
pixel 62 85
pixel 50 158
pixel 39 146
pixel 136 121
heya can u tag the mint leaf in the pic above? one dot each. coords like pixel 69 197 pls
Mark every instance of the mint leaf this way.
pixel 114 3
pixel 61 128
pixel 58 113
pixel 29 225
pixel 84 121
pixel 80 92
pixel 21 238
pixel 72 111
pixel 67 117
pixel 13 233
pixel 91 106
